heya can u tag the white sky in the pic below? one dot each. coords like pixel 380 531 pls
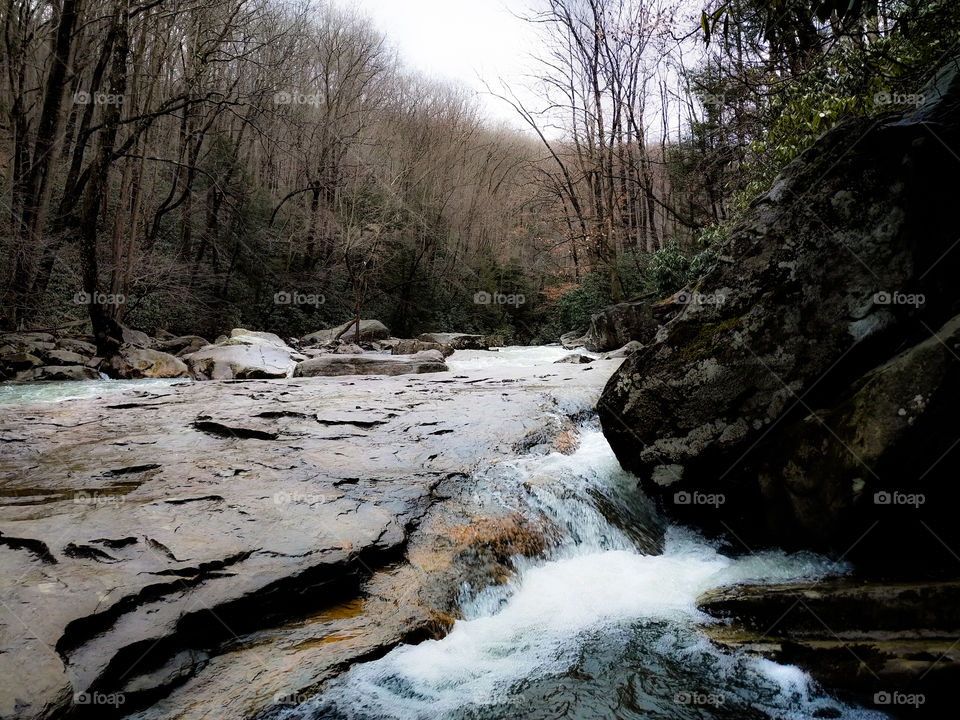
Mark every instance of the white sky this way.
pixel 465 41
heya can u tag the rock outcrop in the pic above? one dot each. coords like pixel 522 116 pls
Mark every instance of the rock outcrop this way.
pixel 615 326
pixel 244 355
pixel 862 640
pixel 370 330
pixel 40 356
pixel 785 403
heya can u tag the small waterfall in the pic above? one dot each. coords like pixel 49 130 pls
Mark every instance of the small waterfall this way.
pixel 605 627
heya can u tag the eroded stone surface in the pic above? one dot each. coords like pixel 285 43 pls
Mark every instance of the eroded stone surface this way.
pixel 857 637
pixel 144 533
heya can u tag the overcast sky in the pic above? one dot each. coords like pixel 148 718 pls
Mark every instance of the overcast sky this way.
pixel 466 41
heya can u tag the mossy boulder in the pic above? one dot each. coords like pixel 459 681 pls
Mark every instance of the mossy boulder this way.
pixel 849 260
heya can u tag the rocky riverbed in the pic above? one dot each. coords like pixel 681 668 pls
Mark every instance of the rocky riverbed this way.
pixel 458 544
pixel 255 536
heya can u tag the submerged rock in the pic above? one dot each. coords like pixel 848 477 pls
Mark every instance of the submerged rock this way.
pixel 575 359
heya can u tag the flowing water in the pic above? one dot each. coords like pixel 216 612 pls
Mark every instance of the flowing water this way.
pixel 31 392
pixel 606 627
pixel 470 361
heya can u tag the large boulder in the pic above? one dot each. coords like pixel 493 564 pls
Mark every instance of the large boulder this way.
pixel 66 357
pixel 81 347
pixel 134 363
pixel 876 454
pixel 239 336
pixel 573 339
pixel 244 355
pixel 20 361
pixel 849 259
pixel 462 341
pixel 35 343
pixel 370 330
pixel 615 326
pixel 412 347
pixel 182 345
pixel 428 361
pixel 137 338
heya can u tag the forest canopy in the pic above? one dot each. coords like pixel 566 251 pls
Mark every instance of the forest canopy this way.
pixel 194 166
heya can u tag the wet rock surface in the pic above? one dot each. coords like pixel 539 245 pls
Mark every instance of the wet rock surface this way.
pixel 205 549
pixel 865 640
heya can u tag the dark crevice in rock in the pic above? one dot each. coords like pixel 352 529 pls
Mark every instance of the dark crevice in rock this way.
pixel 220 430
pixel 209 629
pixel 130 470
pixel 86 552
pixel 363 424
pixel 116 544
pixel 37 547
pixel 183 501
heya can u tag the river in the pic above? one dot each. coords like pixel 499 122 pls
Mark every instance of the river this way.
pixel 605 627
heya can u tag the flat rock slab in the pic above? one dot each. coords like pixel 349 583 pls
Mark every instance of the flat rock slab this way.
pixel 427 361
pixel 858 638
pixel 142 531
